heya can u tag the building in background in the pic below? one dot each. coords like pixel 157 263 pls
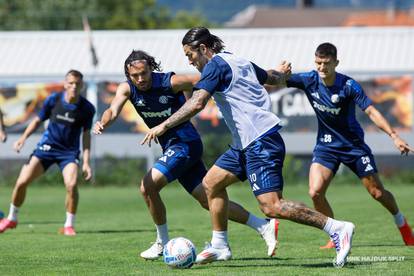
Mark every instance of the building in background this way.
pixel 307 14
pixel 381 58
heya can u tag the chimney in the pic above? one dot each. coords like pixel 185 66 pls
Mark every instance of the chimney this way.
pixel 302 4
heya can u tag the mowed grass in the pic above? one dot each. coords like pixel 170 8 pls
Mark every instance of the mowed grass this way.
pixel 113 226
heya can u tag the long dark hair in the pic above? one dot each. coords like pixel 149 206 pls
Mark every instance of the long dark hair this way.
pixel 141 55
pixel 201 35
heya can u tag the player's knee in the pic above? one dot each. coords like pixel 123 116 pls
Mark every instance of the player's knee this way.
pixel 376 193
pixel 22 183
pixel 71 187
pixel 142 188
pixel 147 187
pixel 203 203
pixel 208 188
pixel 283 208
pixel 270 210
pixel 315 195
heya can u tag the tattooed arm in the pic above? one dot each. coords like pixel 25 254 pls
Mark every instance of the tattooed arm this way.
pixel 280 75
pixel 191 107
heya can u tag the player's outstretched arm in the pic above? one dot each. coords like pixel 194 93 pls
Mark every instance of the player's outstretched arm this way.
pixel 86 149
pixel 279 76
pixel 382 123
pixel 191 107
pixel 33 125
pixel 112 112
pixel 184 82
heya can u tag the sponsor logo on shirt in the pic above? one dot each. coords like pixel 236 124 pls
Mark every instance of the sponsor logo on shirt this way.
pixel 164 113
pixel 323 108
pixel 65 117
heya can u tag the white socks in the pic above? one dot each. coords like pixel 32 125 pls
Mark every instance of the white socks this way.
pixel 399 219
pixel 70 220
pixel 162 233
pixel 219 239
pixel 13 211
pixel 332 226
pixel 256 223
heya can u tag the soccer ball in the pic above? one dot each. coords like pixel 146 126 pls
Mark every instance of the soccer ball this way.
pixel 179 253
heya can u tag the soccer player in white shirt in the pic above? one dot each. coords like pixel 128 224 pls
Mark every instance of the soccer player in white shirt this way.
pixel 258 150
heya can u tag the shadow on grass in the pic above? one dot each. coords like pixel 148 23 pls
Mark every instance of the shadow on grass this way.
pixel 41 222
pixel 317 265
pixel 279 262
pixel 377 245
pixel 110 231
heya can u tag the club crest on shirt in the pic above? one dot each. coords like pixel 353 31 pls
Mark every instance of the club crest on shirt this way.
pixel 335 98
pixel 163 99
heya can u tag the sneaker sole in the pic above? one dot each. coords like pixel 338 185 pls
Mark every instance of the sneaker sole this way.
pixel 211 260
pixel 150 258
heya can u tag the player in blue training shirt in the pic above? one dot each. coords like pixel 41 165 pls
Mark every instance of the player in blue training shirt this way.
pixel 156 96
pixel 258 150
pixel 70 115
pixel 340 138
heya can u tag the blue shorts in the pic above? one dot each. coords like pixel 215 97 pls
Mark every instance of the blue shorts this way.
pixel 48 156
pixel 361 163
pixel 182 161
pixel 261 162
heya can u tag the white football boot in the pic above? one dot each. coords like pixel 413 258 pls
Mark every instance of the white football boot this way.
pixel 270 236
pixel 154 252
pixel 343 243
pixel 211 254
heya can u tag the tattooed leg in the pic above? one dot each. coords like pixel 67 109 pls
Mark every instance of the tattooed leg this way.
pixel 273 205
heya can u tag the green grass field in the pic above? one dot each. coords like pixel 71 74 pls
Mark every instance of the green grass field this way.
pixel 113 226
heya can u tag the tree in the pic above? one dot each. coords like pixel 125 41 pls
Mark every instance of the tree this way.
pixel 102 14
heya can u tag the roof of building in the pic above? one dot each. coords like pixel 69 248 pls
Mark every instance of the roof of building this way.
pixel 52 54
pixel 256 16
pixel 380 18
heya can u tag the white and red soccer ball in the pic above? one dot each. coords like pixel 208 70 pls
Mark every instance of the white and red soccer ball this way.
pixel 179 253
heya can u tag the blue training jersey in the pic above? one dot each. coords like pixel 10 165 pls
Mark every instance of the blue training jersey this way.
pixel 157 104
pixel 66 122
pixel 334 106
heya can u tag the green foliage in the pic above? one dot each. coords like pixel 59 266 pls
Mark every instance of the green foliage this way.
pixel 215 144
pixel 119 172
pixel 294 171
pixel 102 14
pixel 109 171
